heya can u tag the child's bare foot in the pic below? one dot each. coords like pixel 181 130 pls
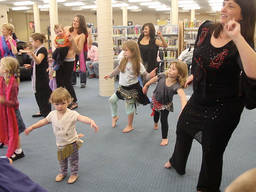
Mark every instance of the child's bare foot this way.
pixel 59 177
pixel 168 165
pixel 155 126
pixel 127 129
pixel 80 135
pixel 114 120
pixel 72 179
pixel 164 142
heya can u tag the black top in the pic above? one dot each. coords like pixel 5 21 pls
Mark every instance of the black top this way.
pixel 162 93
pixel 42 78
pixel 216 71
pixel 149 54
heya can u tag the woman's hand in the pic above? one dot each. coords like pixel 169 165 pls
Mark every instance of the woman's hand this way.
pixel 159 34
pixel 189 80
pixel 232 29
pixel 27 66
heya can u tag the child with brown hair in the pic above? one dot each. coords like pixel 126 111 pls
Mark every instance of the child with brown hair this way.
pixel 40 78
pixel 67 140
pixel 129 90
pixel 11 121
pixel 169 83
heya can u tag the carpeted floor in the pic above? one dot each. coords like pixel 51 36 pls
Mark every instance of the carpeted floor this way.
pixel 111 161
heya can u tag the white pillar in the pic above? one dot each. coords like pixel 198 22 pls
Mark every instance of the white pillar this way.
pixel 193 16
pixel 3 15
pixel 125 12
pixel 36 18
pixel 174 12
pixel 105 44
pixel 53 11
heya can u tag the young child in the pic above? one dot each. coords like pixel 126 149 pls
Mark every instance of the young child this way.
pixel 63 122
pixel 11 121
pixel 130 90
pixel 169 83
pixel 62 44
pixel 40 77
pixel 52 73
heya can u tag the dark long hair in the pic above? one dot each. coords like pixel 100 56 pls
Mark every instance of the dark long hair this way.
pixel 247 23
pixel 152 31
pixel 82 25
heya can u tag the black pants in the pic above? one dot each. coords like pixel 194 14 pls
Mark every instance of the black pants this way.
pixel 63 78
pixel 42 99
pixel 164 121
pixel 215 135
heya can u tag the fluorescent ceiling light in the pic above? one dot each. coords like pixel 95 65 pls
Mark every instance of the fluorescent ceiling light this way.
pixel 132 7
pixel 59 1
pixel 157 6
pixel 89 7
pixel 136 10
pixel 45 6
pixel 20 8
pixel 151 3
pixel 120 5
pixel 78 3
pixel 138 1
pixel 23 3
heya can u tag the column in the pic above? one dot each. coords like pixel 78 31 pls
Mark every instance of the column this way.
pixel 124 12
pixel 53 12
pixel 3 15
pixel 193 17
pixel 105 46
pixel 36 18
pixel 174 12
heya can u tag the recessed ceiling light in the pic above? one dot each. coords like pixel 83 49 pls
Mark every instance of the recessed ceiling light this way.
pixel 20 8
pixel 23 3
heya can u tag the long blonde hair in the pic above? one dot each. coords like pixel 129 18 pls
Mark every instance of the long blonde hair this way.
pixel 11 65
pixel 182 72
pixel 133 47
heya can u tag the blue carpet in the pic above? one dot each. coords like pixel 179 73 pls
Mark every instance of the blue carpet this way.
pixel 111 161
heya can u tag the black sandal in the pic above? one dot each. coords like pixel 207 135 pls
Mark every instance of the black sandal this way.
pixel 16 156
pixel 73 106
pixel 1 145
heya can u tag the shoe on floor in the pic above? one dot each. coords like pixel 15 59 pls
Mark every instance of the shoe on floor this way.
pixel 1 145
pixel 37 115
pixel 73 106
pixel 72 179
pixel 83 85
pixel 60 177
pixel 16 156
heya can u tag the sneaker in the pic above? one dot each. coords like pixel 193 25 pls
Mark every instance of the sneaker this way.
pixel 72 179
pixel 16 156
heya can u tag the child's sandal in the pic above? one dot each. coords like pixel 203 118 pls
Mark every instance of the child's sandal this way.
pixel 60 177
pixel 72 179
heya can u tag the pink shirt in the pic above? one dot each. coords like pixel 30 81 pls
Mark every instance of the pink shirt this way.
pixel 93 53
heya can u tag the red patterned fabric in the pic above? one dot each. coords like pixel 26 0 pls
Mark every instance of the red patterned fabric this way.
pixel 9 126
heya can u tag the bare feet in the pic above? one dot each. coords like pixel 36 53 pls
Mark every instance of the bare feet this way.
pixel 164 142
pixel 127 129
pixel 114 120
pixel 168 165
pixel 59 177
pixel 155 126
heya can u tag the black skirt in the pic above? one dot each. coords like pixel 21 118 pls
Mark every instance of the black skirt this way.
pixel 133 91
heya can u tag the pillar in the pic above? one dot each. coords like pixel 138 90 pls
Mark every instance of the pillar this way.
pixel 193 17
pixel 53 12
pixel 105 46
pixel 3 15
pixel 124 11
pixel 174 12
pixel 36 18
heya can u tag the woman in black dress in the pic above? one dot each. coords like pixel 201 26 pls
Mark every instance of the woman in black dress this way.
pixel 213 111
pixel 149 46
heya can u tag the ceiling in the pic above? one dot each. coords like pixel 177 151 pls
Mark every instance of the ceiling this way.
pixel 204 5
